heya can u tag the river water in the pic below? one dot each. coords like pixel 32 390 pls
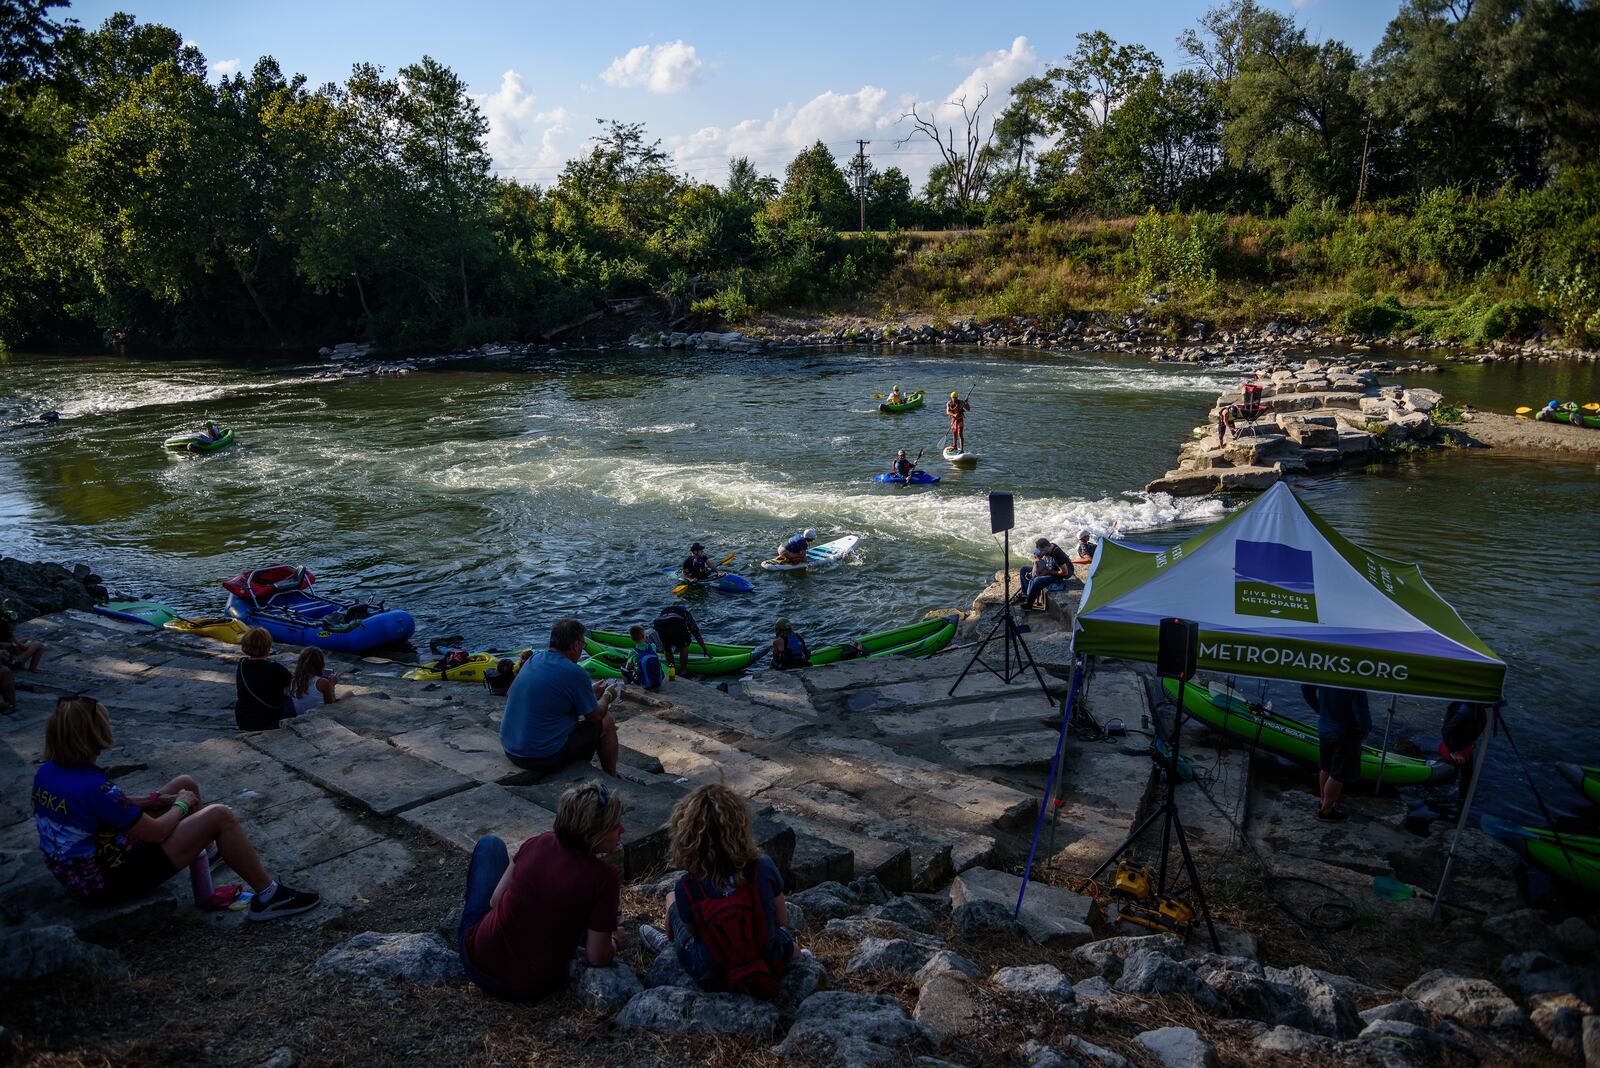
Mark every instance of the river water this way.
pixel 490 496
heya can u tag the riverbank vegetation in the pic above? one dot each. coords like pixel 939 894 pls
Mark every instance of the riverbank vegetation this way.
pixel 1446 185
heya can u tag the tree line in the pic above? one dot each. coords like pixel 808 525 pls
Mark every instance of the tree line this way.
pixel 142 203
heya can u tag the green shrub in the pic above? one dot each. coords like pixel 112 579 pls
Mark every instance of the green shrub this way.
pixel 1509 318
pixel 1178 251
pixel 1363 283
pixel 1375 319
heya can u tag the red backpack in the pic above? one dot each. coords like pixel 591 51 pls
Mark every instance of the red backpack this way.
pixel 733 930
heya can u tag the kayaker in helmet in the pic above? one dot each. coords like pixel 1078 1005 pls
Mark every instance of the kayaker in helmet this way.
pixel 957 410
pixel 789 649
pixel 696 566
pixel 793 551
pixel 902 467
pixel 895 396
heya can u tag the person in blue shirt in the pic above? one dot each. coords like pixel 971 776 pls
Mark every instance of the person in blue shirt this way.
pixel 106 847
pixel 555 715
pixel 1343 720
pixel 789 650
pixel 793 551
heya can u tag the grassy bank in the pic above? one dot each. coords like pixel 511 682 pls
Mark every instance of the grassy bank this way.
pixel 1453 269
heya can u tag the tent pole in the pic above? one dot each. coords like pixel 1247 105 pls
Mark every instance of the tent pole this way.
pixel 1461 823
pixel 1049 786
pixel 1383 754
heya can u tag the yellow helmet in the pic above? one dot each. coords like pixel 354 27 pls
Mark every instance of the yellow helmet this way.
pixel 953 393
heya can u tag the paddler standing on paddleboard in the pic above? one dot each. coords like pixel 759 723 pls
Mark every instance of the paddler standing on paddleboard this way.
pixel 957 410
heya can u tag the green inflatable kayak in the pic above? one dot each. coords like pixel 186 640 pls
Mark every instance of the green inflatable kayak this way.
pixel 1585 778
pixel 722 659
pixel 910 404
pixel 913 640
pixel 200 441
pixel 1570 414
pixel 147 612
pixel 1289 737
pixel 1572 858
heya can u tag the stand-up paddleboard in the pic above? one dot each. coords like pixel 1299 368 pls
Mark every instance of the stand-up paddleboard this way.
pixel 960 457
pixel 818 556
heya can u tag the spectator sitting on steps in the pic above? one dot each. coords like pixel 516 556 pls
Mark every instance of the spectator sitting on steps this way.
pixel 555 715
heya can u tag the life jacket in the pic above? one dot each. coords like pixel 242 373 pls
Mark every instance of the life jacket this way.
pixel 648 672
pixel 796 544
pixel 733 930
pixel 793 653
pixel 675 626
pixel 902 467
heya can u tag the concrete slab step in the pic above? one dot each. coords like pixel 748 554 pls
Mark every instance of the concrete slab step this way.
pixel 379 777
pixel 461 819
pixel 1018 706
pixel 1025 750
pixel 698 757
pixel 985 801
pixel 468 748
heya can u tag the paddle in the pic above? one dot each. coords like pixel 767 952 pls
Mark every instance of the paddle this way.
pixel 914 464
pixel 1392 889
pixel 908 396
pixel 1592 406
pixel 1524 410
pixel 677 591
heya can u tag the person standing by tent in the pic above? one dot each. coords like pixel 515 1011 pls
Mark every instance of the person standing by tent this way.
pixel 957 410
pixel 1463 725
pixel 1343 720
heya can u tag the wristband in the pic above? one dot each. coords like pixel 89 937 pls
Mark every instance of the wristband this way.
pixel 181 807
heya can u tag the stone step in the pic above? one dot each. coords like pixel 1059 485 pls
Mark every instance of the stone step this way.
pixel 687 753
pixel 468 748
pixel 985 801
pixel 705 703
pixel 1019 706
pixel 373 774
pixel 461 819
pixel 817 860
pixel 1026 750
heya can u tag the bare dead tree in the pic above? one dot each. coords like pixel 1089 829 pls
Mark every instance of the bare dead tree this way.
pixel 966 154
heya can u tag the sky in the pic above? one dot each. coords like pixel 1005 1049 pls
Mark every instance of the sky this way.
pixel 761 80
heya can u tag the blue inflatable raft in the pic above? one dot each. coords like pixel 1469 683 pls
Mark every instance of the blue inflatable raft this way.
pixel 918 478
pixel 278 599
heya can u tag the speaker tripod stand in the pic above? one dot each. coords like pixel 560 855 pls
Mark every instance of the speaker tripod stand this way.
pixel 1171 827
pixel 1015 657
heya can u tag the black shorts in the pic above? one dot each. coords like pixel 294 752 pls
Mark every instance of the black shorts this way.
pixel 145 867
pixel 580 746
pixel 673 632
pixel 1341 758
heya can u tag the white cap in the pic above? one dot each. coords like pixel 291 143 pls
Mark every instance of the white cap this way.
pixel 809 535
pixel 1082 534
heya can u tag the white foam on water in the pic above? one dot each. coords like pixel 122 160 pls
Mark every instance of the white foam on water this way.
pixel 143 391
pixel 663 428
pixel 865 508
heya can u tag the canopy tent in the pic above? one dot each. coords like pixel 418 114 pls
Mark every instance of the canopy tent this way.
pixel 1281 594
pixel 1278 593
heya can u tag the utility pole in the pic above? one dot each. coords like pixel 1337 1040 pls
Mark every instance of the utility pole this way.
pixel 861 182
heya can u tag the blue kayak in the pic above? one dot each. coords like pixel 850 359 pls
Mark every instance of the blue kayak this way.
pixel 918 478
pixel 296 617
pixel 727 582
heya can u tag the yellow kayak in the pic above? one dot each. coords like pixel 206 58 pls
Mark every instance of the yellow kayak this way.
pixel 477 665
pixel 218 628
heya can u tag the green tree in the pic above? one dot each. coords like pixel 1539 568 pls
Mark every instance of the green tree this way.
pixel 1093 82
pixel 1023 123
pixel 814 186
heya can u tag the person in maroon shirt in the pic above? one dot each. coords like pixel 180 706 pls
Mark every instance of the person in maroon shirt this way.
pixel 524 921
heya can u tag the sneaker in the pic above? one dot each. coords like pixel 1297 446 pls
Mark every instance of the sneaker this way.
pixel 654 938
pixel 1338 815
pixel 286 902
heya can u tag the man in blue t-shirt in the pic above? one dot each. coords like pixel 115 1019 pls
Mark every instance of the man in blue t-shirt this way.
pixel 1343 720
pixel 555 715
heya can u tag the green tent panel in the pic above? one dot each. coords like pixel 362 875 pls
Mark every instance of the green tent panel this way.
pixel 1280 594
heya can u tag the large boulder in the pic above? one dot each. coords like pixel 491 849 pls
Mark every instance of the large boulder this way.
pixel 949 1006
pixel 1179 1047
pixel 1107 954
pixel 1049 914
pixel 1252 997
pixel 843 1029
pixel 1475 1002
pixel 982 919
pixel 1333 1013
pixel 379 958
pixel 38 952
pixel 605 989
pixel 827 901
pixel 1035 981
pixel 673 1010
pixel 668 970
pixel 1151 973
pixel 947 960
pixel 894 956
pixel 31 590
pixel 804 977
pixel 1559 1018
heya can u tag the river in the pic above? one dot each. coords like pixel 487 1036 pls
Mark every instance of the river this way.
pixel 490 496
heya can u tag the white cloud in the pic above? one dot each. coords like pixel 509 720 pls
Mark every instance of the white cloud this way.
pixel 663 68
pixel 837 119
pixel 526 142
pixel 222 68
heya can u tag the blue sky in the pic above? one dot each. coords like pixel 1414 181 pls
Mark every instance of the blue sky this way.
pixel 710 80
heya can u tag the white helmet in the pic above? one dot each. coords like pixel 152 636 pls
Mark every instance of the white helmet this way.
pixel 1082 534
pixel 809 535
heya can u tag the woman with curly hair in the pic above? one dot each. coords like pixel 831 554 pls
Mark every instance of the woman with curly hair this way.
pixel 523 921
pixel 726 916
